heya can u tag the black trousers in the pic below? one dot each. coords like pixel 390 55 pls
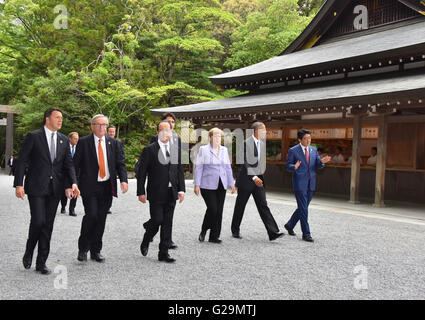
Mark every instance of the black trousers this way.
pixel 43 212
pixel 214 199
pixel 259 195
pixel 72 203
pixel 161 217
pixel 96 207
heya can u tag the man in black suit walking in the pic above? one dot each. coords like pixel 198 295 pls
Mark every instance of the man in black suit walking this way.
pixel 46 155
pixel 98 160
pixel 175 147
pixel 165 186
pixel 111 131
pixel 11 164
pixel 250 181
pixel 73 140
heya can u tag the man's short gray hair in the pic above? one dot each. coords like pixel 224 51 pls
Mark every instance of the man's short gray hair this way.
pixel 256 125
pixel 99 116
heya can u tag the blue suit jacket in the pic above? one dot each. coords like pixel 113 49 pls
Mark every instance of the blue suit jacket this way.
pixel 301 175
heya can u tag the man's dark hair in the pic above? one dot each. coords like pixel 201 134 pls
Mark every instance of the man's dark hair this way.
pixel 168 114
pixel 256 125
pixel 163 121
pixel 375 148
pixel 49 112
pixel 339 148
pixel 302 133
pixel 109 127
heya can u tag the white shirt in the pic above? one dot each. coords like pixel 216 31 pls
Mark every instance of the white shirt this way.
pixel 162 147
pixel 258 146
pixel 371 160
pixel 49 138
pixel 103 143
pixel 338 158
pixel 308 149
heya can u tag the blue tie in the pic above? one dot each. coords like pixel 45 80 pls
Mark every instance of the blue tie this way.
pixel 73 151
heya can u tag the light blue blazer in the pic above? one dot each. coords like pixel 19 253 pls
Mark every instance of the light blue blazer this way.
pixel 211 167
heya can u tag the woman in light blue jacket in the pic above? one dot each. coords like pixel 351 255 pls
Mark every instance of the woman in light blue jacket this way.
pixel 213 175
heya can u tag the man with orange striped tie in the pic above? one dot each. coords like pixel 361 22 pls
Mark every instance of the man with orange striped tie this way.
pixel 98 160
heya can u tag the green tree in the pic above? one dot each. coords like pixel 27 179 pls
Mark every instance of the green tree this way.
pixel 267 33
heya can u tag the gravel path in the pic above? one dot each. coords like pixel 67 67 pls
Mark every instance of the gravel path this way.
pixel 389 256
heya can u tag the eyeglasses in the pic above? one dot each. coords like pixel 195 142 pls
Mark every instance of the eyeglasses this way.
pixel 100 124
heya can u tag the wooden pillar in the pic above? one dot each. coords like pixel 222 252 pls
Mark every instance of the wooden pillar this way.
pixel 9 138
pixel 381 161
pixel 355 160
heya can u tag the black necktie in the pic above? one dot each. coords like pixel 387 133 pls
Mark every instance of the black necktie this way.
pixel 167 154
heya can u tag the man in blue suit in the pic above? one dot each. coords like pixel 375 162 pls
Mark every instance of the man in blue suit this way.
pixel 302 161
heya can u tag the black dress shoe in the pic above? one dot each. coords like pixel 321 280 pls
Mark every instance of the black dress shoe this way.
pixel 43 269
pixel 308 239
pixel 172 246
pixel 82 256
pixel 236 235
pixel 145 225
pixel 201 237
pixel 275 236
pixel 27 260
pixel 166 258
pixel 290 231
pixel 97 257
pixel 72 213
pixel 214 240
pixel 144 248
pixel 63 210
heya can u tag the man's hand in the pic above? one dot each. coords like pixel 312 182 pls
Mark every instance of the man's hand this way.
pixel 75 191
pixel 181 197
pixel 20 192
pixel 68 193
pixel 233 189
pixel 297 165
pixel 326 159
pixel 197 190
pixel 124 187
pixel 142 198
pixel 258 182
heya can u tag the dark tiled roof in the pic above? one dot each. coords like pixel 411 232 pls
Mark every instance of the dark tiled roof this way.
pixel 373 45
pixel 318 94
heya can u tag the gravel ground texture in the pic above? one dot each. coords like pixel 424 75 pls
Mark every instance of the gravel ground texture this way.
pixel 354 256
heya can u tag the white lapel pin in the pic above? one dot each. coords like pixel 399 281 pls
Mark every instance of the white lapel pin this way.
pixel 60 141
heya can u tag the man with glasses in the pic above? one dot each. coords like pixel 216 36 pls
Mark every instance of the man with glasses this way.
pixel 99 161
pixel 73 140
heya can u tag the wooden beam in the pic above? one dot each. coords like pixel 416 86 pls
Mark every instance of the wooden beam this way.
pixel 381 157
pixel 355 160
pixel 8 109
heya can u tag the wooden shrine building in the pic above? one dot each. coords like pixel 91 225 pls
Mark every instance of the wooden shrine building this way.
pixel 356 85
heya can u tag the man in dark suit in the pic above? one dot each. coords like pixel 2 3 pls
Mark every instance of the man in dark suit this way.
pixel 73 140
pixel 302 161
pixel 111 131
pixel 46 156
pixel 98 160
pixel 175 147
pixel 165 186
pixel 250 181
pixel 11 164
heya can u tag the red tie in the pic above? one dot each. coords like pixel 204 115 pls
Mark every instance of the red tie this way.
pixel 307 156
